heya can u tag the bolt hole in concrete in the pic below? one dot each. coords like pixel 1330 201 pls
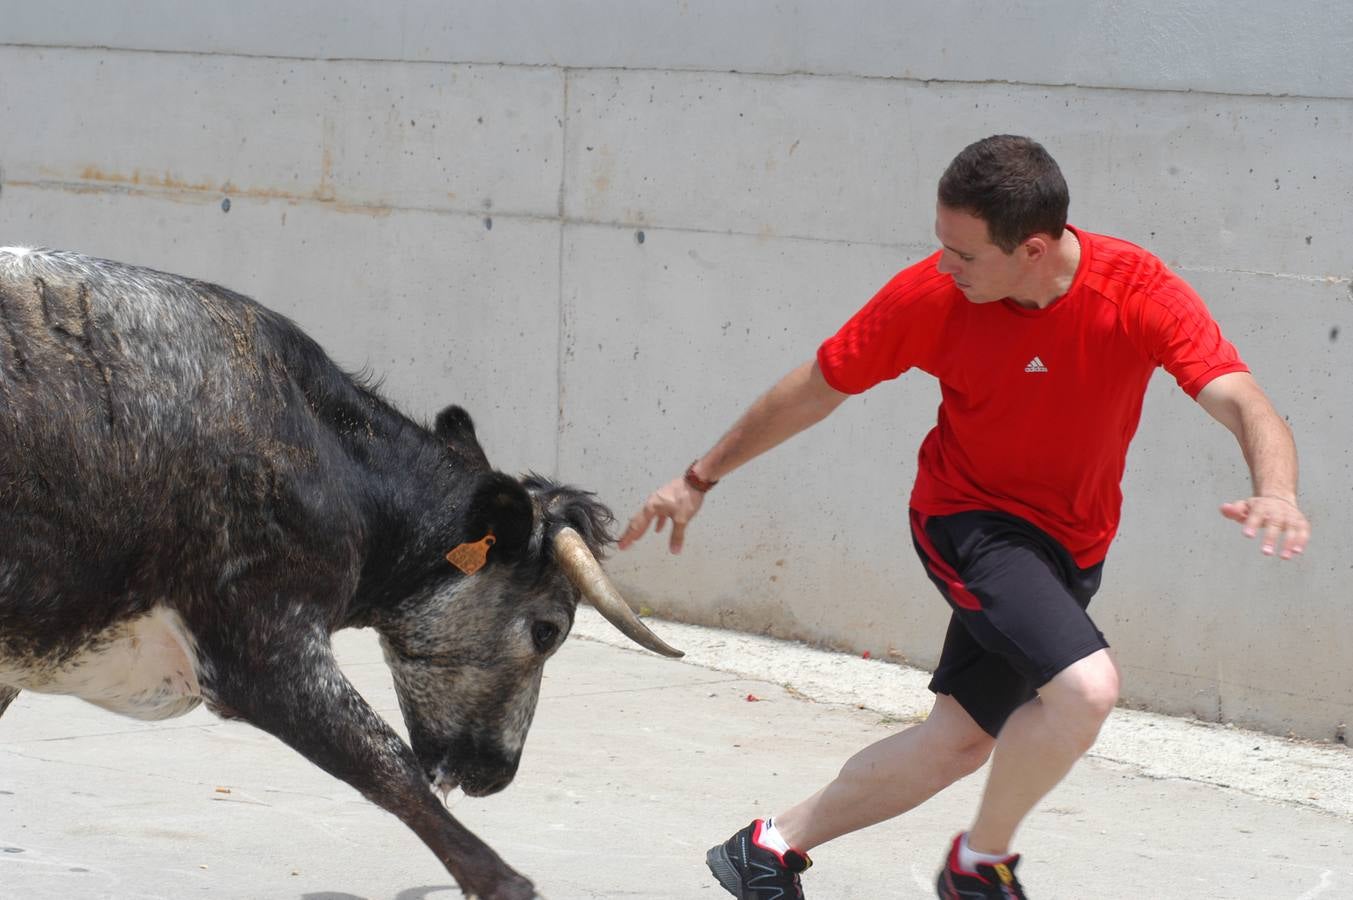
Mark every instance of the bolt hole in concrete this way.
pixel 488 223
pixel 225 205
pixel 639 237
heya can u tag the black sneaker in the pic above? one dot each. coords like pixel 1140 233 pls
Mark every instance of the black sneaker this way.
pixel 750 871
pixel 990 882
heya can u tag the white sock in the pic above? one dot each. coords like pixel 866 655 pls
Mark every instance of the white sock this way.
pixel 968 858
pixel 772 839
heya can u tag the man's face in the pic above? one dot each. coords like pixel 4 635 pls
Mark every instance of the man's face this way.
pixel 981 270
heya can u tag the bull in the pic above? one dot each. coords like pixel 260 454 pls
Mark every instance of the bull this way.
pixel 194 498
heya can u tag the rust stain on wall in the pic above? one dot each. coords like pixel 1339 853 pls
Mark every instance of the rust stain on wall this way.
pixel 170 183
pixel 325 191
pixel 93 179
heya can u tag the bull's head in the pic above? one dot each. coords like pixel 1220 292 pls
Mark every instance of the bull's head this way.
pixel 467 654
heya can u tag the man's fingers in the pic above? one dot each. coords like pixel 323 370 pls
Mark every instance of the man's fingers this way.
pixel 1271 534
pixel 636 528
pixel 676 502
pixel 678 536
pixel 1280 525
pixel 1253 521
pixel 1295 543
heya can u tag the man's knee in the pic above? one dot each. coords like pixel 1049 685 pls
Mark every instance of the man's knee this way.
pixel 957 744
pixel 1082 696
pixel 969 756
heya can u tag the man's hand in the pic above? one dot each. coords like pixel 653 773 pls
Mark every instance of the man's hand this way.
pixel 1281 522
pixel 677 501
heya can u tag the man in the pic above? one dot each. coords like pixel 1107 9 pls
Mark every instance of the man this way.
pixel 1043 338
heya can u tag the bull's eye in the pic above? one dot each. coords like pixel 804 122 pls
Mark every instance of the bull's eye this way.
pixel 544 634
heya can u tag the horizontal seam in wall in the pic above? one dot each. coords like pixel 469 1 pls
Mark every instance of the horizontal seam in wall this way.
pixel 1311 279
pixel 1231 683
pixel 208 197
pixel 354 207
pixel 790 73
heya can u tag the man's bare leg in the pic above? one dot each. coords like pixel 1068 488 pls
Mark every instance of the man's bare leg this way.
pixel 1039 744
pixel 891 776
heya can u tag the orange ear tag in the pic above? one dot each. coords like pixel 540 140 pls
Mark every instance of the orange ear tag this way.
pixel 470 558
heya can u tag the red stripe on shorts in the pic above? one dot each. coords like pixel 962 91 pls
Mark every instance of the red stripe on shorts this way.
pixel 958 592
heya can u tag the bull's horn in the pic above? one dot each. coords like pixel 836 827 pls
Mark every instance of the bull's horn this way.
pixel 586 574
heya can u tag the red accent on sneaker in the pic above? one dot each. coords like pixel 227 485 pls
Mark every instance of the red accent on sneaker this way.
pixel 756 839
pixel 955 866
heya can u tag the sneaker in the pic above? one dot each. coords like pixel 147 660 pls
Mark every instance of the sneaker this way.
pixel 750 871
pixel 990 882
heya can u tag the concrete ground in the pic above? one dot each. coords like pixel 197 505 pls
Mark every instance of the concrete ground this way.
pixel 634 766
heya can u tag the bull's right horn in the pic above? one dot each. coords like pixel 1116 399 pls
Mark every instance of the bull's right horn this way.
pixel 587 575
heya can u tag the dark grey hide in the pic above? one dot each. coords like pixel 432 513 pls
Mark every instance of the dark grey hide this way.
pixel 193 498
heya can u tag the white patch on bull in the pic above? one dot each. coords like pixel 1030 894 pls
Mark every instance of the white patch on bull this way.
pixel 145 668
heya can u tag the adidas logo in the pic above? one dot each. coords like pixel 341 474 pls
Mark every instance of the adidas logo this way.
pixel 1036 365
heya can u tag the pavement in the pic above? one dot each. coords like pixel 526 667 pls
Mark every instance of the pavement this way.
pixel 634 766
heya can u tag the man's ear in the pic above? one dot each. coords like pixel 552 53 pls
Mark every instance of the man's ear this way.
pixel 1035 247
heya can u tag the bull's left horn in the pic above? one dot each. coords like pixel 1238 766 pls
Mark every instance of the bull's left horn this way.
pixel 586 574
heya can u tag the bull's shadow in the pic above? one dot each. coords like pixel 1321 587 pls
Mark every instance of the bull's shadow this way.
pixel 414 893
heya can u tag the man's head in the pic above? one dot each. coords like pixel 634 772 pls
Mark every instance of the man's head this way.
pixel 1002 207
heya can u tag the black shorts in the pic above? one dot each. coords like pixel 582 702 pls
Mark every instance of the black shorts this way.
pixel 1019 604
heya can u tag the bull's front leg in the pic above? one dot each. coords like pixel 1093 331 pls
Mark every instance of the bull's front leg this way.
pixel 298 694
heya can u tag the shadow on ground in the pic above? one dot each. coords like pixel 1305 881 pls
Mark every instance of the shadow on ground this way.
pixel 414 893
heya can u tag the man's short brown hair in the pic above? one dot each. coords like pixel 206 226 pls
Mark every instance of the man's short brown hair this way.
pixel 1012 184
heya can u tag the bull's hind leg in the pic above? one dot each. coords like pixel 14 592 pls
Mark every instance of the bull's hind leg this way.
pixel 7 695
pixel 299 695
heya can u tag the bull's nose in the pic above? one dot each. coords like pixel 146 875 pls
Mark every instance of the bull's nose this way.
pixel 481 784
pixel 476 768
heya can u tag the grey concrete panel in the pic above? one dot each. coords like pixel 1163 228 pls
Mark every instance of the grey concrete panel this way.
pixel 437 307
pixel 1214 629
pixel 468 138
pixel 809 542
pixel 370 201
pixel 1246 46
pixel 1202 180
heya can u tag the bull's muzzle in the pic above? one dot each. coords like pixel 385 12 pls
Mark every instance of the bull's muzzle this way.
pixel 587 575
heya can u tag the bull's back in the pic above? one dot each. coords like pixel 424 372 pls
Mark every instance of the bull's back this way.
pixel 100 357
pixel 151 435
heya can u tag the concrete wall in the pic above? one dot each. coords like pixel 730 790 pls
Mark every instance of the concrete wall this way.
pixel 605 227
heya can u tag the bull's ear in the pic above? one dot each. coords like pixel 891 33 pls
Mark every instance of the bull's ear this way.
pixel 456 428
pixel 454 423
pixel 503 507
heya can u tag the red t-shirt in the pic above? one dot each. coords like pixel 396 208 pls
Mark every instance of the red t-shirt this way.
pixel 1038 405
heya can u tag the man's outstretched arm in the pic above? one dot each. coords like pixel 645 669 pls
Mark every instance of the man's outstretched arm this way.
pixel 1237 401
pixel 797 401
